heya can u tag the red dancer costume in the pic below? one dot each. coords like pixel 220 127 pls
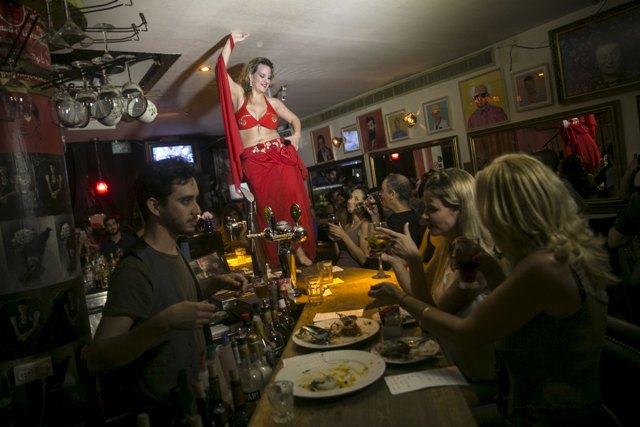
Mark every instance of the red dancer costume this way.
pixel 579 138
pixel 273 170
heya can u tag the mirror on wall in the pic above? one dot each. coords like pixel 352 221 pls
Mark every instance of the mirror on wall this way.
pixel 584 146
pixel 414 160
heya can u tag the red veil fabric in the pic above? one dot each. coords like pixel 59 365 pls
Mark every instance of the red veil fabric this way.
pixel 234 142
pixel 579 139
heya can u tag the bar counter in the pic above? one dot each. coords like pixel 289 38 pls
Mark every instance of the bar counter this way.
pixel 374 405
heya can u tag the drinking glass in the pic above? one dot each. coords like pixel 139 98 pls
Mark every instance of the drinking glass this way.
pixel 280 395
pixel 377 244
pixel 325 271
pixel 331 218
pixel 70 32
pixel 315 289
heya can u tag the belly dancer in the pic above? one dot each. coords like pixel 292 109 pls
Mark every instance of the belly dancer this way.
pixel 270 164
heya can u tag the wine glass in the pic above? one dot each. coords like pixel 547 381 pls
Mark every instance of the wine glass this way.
pixel 57 45
pixel 377 244
pixel 331 218
pixel 106 56
pixel 70 32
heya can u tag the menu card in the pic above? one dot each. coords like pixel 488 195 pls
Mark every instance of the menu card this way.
pixel 405 383
pixel 334 315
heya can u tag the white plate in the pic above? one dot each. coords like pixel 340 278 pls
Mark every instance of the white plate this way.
pixel 424 351
pixel 358 369
pixel 368 327
pixel 407 319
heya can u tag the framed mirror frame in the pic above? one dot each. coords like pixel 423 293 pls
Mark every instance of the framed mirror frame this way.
pixel 525 137
pixel 425 150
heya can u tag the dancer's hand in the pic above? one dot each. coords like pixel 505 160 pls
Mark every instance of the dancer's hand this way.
pixel 239 36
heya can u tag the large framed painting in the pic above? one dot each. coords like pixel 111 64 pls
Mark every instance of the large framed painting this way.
pixel 532 88
pixel 371 128
pixel 484 100
pixel 598 55
pixel 322 147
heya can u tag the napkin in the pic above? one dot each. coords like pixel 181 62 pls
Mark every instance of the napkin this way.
pixel 405 383
pixel 336 314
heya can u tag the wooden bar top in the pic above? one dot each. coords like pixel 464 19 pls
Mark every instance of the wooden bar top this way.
pixel 374 405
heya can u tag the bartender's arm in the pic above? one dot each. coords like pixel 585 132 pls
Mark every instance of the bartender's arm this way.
pixel 116 345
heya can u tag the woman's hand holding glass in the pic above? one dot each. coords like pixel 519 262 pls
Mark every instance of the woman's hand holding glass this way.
pixel 385 293
pixel 401 245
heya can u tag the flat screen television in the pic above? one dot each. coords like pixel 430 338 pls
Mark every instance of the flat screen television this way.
pixel 160 152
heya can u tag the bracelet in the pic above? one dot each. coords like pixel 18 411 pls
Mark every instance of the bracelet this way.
pixel 422 315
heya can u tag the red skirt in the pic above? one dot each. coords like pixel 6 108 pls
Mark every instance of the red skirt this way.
pixel 275 175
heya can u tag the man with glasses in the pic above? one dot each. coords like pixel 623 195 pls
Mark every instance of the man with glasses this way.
pixel 486 113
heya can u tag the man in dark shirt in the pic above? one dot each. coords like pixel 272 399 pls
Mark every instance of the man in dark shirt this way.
pixel 117 242
pixel 395 195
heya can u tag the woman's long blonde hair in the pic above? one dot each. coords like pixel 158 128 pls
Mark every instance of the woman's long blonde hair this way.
pixel 521 201
pixel 456 190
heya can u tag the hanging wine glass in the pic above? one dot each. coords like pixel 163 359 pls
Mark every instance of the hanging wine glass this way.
pixel 57 45
pixel 71 112
pixel 70 32
pixel 19 96
pixel 85 95
pixel 106 56
pixel 135 102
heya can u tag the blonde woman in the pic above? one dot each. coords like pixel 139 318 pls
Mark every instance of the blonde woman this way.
pixel 548 318
pixel 450 211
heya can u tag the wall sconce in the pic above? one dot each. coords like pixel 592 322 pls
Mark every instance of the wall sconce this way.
pixel 337 141
pixel 411 120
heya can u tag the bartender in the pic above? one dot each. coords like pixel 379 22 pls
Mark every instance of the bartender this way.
pixel 155 321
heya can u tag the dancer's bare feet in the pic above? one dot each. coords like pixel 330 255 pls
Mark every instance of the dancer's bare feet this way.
pixel 302 257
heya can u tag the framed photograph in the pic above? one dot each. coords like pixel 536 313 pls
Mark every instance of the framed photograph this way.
pixel 532 88
pixel 322 147
pixel 351 139
pixel 371 128
pixel 436 115
pixel 484 100
pixel 598 55
pixel 396 126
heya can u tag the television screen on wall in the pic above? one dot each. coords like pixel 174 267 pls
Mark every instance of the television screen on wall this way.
pixel 160 152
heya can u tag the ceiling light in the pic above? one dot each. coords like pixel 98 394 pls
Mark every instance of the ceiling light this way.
pixel 337 141
pixel 205 69
pixel 411 120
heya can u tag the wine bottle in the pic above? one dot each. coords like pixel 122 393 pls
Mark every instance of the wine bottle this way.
pixel 219 410
pixel 240 416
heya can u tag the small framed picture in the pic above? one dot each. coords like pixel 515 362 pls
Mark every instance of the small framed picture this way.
pixel 396 126
pixel 532 88
pixel 372 132
pixel 484 100
pixel 322 147
pixel 351 139
pixel 436 115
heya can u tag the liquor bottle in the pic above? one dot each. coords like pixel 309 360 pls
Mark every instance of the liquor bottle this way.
pixel 219 410
pixel 259 361
pixel 284 312
pixel 275 338
pixel 240 416
pixel 142 420
pixel 227 359
pixel 214 365
pixel 180 409
pixel 202 405
pixel 278 323
pixel 252 383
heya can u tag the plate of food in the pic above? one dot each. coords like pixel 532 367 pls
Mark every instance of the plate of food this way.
pixel 331 373
pixel 406 318
pixel 406 350
pixel 335 333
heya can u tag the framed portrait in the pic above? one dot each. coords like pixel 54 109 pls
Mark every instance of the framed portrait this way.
pixel 436 115
pixel 322 147
pixel 532 88
pixel 371 129
pixel 396 126
pixel 350 138
pixel 598 55
pixel 484 100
